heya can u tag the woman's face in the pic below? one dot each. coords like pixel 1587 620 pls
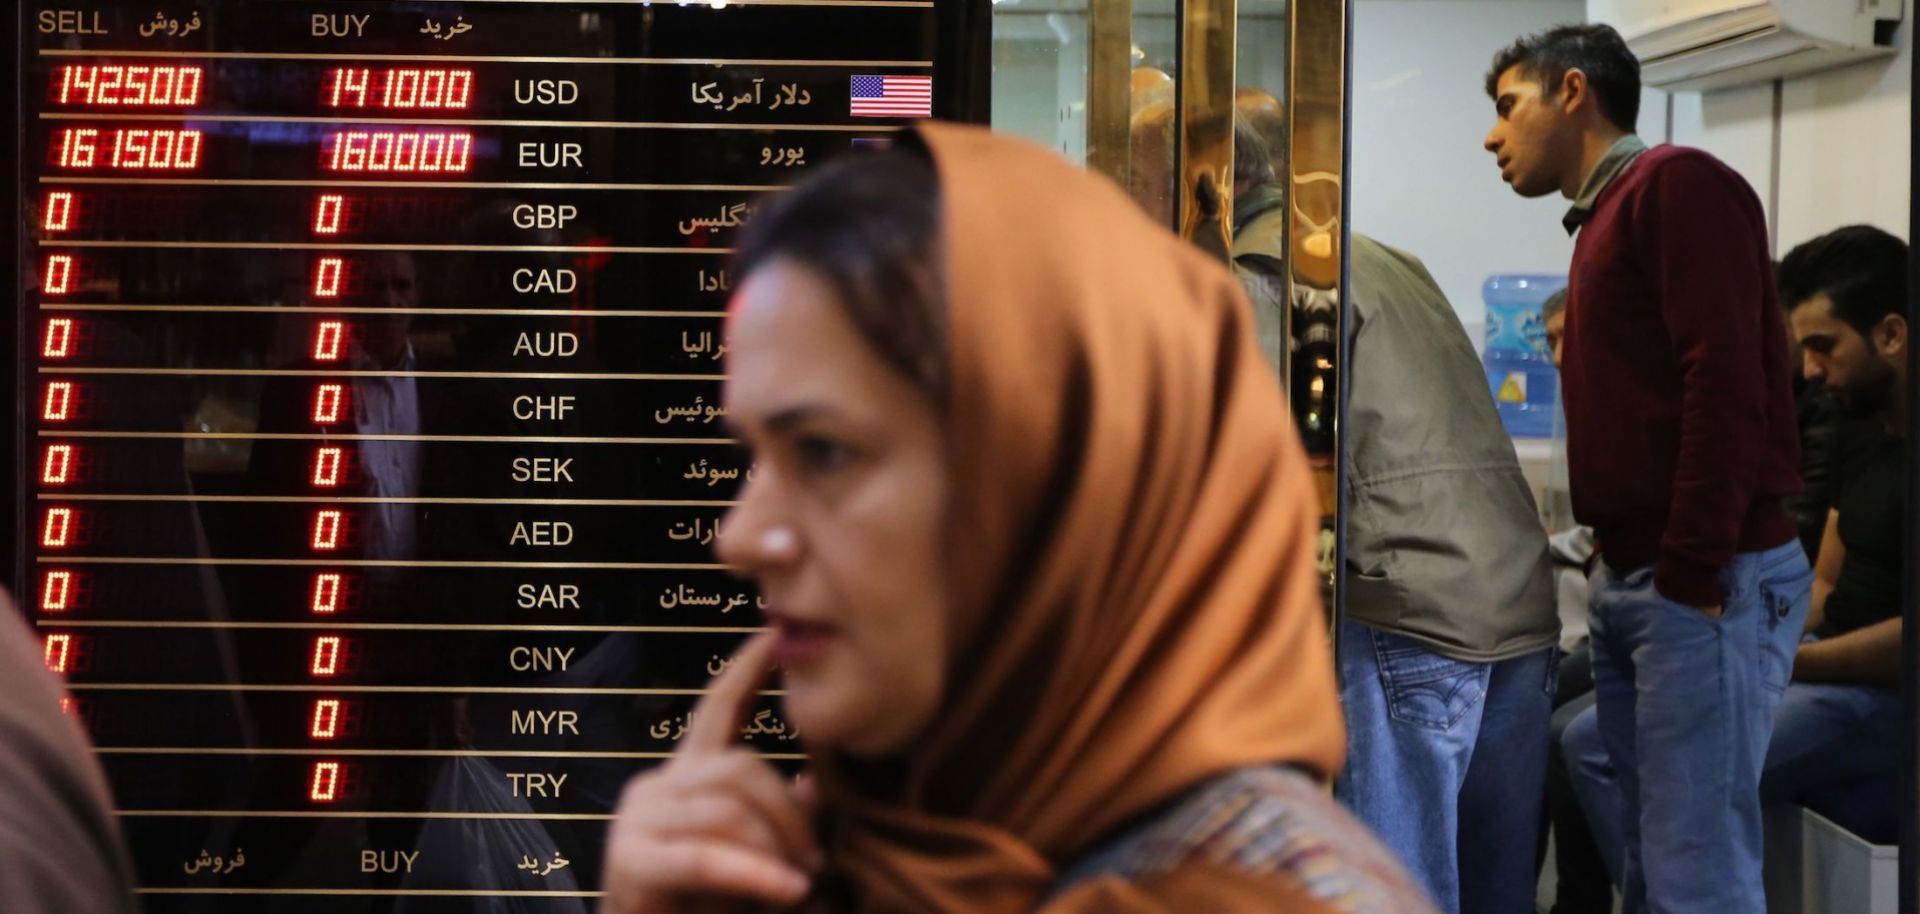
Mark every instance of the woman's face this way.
pixel 841 524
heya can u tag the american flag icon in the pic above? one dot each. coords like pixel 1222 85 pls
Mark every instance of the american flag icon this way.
pixel 892 96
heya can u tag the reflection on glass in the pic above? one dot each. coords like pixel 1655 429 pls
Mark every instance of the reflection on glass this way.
pixel 373 519
pixel 1259 227
pixel 1152 111
pixel 1040 71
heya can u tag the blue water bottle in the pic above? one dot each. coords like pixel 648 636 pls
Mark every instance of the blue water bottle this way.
pixel 1518 360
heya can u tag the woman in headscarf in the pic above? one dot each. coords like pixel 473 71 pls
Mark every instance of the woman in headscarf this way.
pixel 1035 538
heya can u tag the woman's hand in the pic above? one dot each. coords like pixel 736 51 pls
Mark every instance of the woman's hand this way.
pixel 715 828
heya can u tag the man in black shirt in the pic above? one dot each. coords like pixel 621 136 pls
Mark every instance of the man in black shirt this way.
pixel 1836 734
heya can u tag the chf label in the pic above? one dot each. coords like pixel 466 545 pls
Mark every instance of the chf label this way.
pixel 535 783
pixel 544 215
pixel 330 25
pixel 526 408
pixel 372 861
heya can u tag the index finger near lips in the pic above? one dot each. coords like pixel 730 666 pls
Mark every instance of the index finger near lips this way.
pixel 717 718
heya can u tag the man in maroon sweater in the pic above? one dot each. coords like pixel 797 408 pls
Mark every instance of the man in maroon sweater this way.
pixel 1681 442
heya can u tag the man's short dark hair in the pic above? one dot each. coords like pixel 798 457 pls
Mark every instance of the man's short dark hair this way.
pixel 1597 50
pixel 1252 159
pixel 1555 303
pixel 1861 268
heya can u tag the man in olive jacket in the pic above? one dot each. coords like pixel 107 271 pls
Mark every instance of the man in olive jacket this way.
pixel 1448 643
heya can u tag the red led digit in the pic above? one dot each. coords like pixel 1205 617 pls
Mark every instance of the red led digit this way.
pixel 58 277
pixel 400 151
pixel 59 463
pixel 326 718
pixel 56 592
pixel 58 216
pixel 327 340
pixel 139 86
pixel 77 80
pixel 59 653
pixel 327 527
pixel 80 709
pixel 446 88
pixel 59 404
pixel 326 655
pixel 459 88
pixel 326 466
pixel 408 82
pixel 326 782
pixel 327 588
pixel 133 148
pixel 328 274
pixel 327 213
pixel 400 88
pixel 58 529
pixel 163 150
pixel 78 147
pixel 329 401
pixel 411 88
pixel 186 86
pixel 120 146
pixel 349 87
pixel 110 80
pixel 114 85
pixel 59 342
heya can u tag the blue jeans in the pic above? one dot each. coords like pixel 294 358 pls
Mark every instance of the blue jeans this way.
pixel 1596 784
pixel 1832 746
pixel 1416 773
pixel 1685 709
pixel 1835 750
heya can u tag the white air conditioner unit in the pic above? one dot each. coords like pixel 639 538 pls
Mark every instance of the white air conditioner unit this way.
pixel 1712 44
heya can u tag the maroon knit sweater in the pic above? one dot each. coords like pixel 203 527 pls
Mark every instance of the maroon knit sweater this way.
pixel 1681 436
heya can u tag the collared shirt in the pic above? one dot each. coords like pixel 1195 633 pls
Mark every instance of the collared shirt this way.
pixel 1621 154
pixel 388 405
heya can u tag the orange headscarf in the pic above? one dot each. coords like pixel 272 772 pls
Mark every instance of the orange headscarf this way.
pixel 1131 537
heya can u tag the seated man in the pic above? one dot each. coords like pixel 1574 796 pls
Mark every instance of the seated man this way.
pixel 1839 723
pixel 1835 744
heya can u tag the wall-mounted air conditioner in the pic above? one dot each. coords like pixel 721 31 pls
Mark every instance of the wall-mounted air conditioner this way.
pixel 1712 44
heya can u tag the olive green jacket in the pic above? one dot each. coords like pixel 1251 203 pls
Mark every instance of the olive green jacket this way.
pixel 1444 542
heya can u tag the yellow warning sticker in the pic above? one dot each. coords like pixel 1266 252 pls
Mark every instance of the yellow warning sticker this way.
pixel 1514 389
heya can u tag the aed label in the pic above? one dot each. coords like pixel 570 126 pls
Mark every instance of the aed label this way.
pixel 542 533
